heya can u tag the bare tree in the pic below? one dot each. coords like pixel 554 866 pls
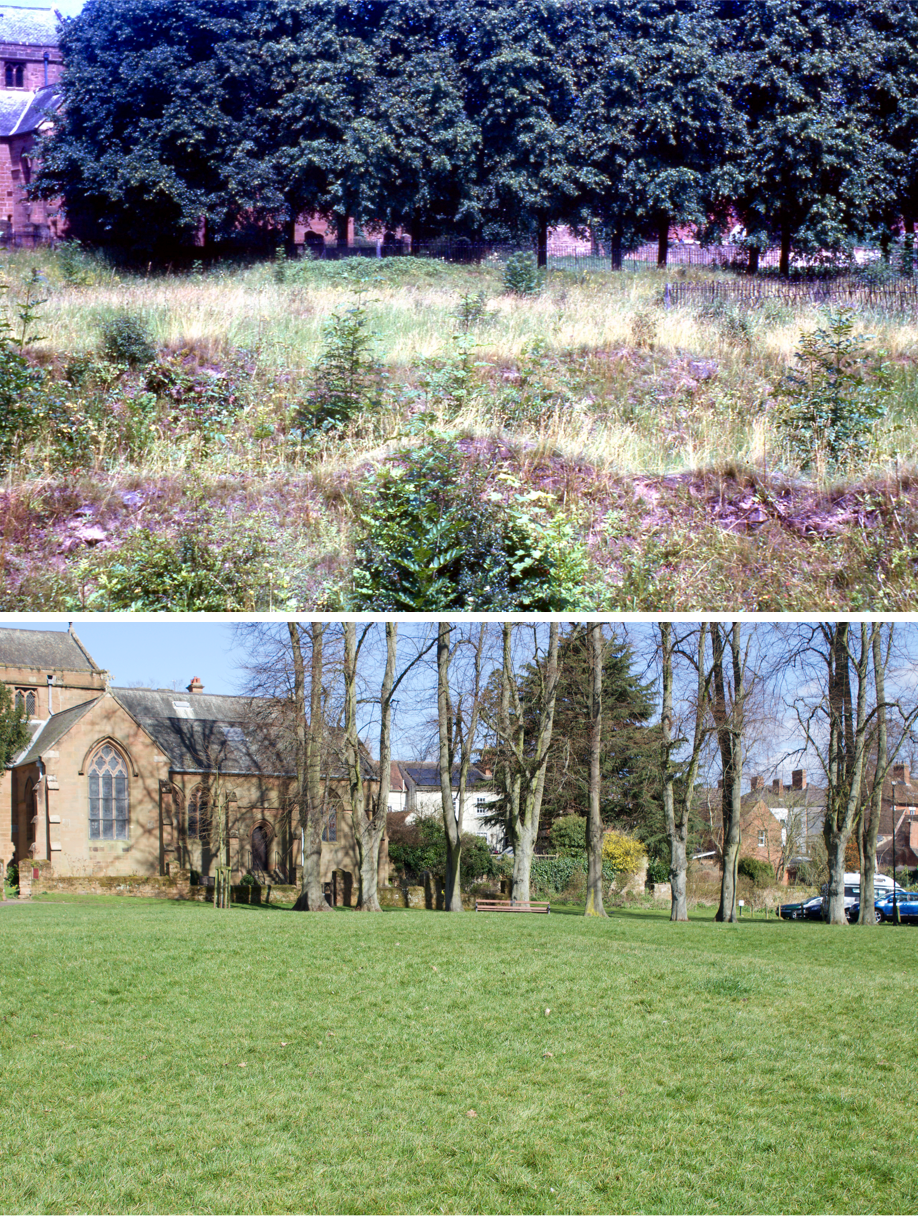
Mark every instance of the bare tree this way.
pixel 679 812
pixel 727 709
pixel 837 727
pixel 369 809
pixel 594 904
pixel 522 749
pixel 458 714
pixel 312 793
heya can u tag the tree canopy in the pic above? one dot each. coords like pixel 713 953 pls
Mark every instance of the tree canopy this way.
pixel 186 120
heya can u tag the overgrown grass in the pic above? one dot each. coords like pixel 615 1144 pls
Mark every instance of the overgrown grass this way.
pixel 631 422
pixel 164 1057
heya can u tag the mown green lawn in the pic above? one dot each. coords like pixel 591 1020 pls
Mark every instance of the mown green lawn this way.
pixel 159 1057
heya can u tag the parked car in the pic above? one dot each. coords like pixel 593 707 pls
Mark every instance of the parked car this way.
pixel 882 886
pixel 802 910
pixel 907 902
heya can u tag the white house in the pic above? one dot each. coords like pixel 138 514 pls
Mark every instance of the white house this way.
pixel 422 797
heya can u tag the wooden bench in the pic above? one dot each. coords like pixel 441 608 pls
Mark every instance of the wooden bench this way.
pixel 505 906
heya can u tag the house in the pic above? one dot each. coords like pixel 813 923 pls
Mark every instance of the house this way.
pixel 423 798
pixel 131 781
pixel 776 822
pixel 30 93
pixel 898 822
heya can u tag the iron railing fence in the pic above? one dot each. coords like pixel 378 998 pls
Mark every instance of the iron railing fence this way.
pixel 899 297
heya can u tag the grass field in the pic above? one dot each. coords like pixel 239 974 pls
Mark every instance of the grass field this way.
pixel 170 1058
pixel 640 445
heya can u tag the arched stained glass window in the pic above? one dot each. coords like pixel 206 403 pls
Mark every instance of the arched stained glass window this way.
pixel 108 796
pixel 198 821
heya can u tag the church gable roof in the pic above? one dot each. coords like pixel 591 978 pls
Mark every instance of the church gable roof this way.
pixel 51 650
pixel 200 732
pixel 54 729
pixel 21 112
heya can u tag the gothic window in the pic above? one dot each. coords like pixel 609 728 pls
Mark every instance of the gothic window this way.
pixel 26 700
pixel 330 831
pixel 108 796
pixel 197 823
pixel 14 75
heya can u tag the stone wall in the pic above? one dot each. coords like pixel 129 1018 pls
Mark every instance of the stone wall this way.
pixel 39 878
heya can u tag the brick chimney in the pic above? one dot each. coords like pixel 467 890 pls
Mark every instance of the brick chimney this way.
pixel 798 779
pixel 902 773
pixel 195 686
pixel 777 786
pixel 757 783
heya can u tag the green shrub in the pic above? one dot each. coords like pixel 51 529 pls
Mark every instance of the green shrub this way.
pixel 347 378
pixel 657 871
pixel 194 571
pixel 836 393
pixel 421 846
pixel 564 876
pixel 522 276
pixel 433 540
pixel 12 875
pixel 126 339
pixel 568 836
pixel 248 880
pixel 760 873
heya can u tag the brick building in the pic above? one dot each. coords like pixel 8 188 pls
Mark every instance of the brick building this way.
pixel 29 75
pixel 776 822
pixel 128 781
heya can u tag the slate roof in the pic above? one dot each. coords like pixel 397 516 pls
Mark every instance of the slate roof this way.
pixel 28 26
pixel 33 108
pixel 55 728
pixel 224 730
pixel 49 650
pixel 429 775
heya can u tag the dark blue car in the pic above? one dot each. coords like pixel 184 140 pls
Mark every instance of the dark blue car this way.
pixel 883 906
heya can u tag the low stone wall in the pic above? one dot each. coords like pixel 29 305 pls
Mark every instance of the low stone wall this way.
pixel 428 897
pixel 37 878
pixel 251 893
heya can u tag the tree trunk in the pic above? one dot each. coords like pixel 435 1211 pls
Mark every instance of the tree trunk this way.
pixel 594 904
pixel 523 772
pixel 341 230
pixel 728 719
pixel 663 241
pixel 870 820
pixel 311 801
pixel 836 843
pixel 542 246
pixel 784 266
pixel 523 852
pixel 616 243
pixel 452 816
pixel 373 829
pixel 754 254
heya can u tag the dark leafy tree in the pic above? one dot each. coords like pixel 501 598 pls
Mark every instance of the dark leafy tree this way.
pixel 162 137
pixel 14 727
pixel 521 88
pixel 654 119
pixel 810 163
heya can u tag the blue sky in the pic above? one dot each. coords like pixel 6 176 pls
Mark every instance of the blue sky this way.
pixel 157 653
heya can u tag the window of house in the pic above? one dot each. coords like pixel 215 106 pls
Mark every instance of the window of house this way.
pixel 26 699
pixel 108 796
pixel 183 709
pixel 763 837
pixel 330 831
pixel 481 806
pixel 197 821
pixel 14 75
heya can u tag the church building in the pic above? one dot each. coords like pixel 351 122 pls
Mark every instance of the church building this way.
pixel 135 781
pixel 30 72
